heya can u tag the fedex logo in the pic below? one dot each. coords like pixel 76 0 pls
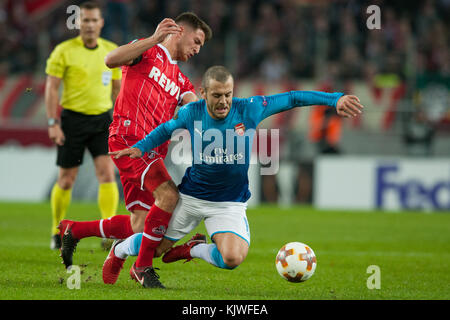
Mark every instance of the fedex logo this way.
pixel 165 83
pixel 411 193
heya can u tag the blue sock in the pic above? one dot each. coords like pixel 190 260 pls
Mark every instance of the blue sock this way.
pixel 129 247
pixel 135 244
pixel 218 260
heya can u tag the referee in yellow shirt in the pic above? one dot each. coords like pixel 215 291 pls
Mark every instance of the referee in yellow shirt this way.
pixel 89 89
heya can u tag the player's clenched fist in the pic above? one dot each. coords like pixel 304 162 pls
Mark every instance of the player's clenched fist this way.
pixel 349 106
pixel 133 153
pixel 166 27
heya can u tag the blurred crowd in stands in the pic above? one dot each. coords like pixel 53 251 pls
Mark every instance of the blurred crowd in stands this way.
pixel 278 39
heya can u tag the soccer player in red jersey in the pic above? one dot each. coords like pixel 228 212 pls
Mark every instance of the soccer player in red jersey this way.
pixel 152 87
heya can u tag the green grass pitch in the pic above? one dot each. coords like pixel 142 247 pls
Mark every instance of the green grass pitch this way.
pixel 412 251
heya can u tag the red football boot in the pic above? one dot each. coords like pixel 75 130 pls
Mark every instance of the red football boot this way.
pixel 112 265
pixel 183 251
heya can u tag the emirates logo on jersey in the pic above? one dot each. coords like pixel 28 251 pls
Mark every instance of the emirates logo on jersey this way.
pixel 239 129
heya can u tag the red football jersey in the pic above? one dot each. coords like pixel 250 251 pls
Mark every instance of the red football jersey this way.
pixel 150 92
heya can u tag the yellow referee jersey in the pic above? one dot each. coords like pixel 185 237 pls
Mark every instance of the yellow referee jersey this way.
pixel 87 81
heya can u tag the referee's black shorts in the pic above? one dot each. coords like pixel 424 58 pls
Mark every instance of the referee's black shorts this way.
pixel 82 131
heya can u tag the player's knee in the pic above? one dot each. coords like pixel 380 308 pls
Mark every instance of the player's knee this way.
pixel 233 259
pixel 105 174
pixel 66 182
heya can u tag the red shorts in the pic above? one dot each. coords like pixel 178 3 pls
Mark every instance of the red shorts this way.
pixel 139 177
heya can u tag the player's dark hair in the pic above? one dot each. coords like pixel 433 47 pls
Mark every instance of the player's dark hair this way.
pixel 218 73
pixel 195 22
pixel 89 5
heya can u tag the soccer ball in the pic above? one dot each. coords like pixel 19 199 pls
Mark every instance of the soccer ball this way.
pixel 296 262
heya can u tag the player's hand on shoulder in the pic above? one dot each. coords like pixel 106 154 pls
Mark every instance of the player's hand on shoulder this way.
pixel 130 152
pixel 349 106
pixel 166 27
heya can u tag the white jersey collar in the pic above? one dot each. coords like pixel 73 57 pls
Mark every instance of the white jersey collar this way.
pixel 167 54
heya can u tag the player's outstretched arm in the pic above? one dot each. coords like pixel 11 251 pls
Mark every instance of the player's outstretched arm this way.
pixel 347 106
pixel 130 152
pixel 155 138
pixel 285 101
pixel 163 132
pixel 125 55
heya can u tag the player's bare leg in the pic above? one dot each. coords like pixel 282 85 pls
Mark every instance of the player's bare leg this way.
pixel 104 169
pixel 166 196
pixel 138 220
pixel 233 248
pixel 67 177
pixel 163 247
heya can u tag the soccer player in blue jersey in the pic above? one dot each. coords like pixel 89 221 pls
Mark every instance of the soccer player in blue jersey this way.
pixel 215 188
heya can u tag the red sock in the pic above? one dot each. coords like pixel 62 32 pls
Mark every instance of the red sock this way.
pixel 156 224
pixel 116 227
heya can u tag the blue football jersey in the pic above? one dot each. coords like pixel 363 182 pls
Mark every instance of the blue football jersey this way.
pixel 221 149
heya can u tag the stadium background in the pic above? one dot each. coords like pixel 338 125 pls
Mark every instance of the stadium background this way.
pixel 395 156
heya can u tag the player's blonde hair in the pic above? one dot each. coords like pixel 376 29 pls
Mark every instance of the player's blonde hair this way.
pixel 218 73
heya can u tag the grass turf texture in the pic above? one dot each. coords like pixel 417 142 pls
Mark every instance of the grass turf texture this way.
pixel 411 249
